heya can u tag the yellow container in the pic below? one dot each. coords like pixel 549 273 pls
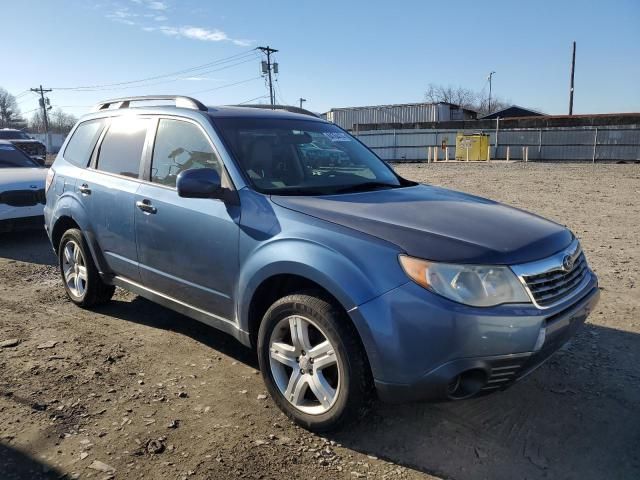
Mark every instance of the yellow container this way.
pixel 472 147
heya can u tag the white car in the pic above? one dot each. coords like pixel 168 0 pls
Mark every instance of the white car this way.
pixel 22 195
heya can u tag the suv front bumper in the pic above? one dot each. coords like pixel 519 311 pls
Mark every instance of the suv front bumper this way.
pixel 419 343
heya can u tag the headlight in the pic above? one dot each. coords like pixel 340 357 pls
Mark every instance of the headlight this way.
pixel 475 285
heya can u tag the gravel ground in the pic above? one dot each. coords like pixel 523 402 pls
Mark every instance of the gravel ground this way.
pixel 133 390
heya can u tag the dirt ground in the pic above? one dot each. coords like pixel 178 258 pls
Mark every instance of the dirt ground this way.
pixel 133 390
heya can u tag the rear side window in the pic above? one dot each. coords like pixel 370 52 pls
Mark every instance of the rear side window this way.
pixel 121 149
pixel 81 144
pixel 180 146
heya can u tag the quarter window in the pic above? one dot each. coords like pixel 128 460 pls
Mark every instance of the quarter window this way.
pixel 121 149
pixel 83 141
pixel 180 146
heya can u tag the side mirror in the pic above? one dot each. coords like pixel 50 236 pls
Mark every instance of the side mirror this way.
pixel 199 183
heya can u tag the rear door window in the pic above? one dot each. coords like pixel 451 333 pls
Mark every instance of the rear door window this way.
pixel 83 141
pixel 122 147
pixel 180 146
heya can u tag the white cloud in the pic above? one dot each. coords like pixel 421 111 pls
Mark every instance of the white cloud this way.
pixel 152 4
pixel 123 15
pixel 198 33
pixel 155 5
pixel 153 10
pixel 242 42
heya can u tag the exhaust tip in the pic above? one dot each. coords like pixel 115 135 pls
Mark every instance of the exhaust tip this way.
pixel 467 384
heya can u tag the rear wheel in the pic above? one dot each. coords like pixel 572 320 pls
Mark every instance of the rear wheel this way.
pixel 80 276
pixel 313 363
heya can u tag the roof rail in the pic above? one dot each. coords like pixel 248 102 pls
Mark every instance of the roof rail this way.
pixel 181 101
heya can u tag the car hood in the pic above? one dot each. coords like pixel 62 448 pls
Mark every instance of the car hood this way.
pixel 439 224
pixel 20 178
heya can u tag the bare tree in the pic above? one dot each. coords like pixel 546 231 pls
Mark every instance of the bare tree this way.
pixel 59 122
pixel 465 97
pixel 9 111
pixel 457 95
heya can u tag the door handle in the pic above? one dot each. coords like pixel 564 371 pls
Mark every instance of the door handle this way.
pixel 84 189
pixel 145 206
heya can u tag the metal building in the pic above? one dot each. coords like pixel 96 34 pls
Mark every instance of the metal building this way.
pixel 349 117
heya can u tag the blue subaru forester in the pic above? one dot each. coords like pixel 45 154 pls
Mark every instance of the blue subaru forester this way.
pixel 286 232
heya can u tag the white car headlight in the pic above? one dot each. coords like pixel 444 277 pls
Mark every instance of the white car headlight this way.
pixel 475 285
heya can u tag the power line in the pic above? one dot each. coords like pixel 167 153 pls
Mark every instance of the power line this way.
pixel 252 99
pixel 225 86
pixel 25 99
pixel 282 99
pixel 21 94
pixel 162 82
pixel 165 75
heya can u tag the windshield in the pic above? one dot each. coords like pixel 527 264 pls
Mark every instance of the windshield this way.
pixel 13 135
pixel 298 157
pixel 11 157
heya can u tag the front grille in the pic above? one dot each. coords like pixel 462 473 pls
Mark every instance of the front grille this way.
pixel 552 286
pixel 23 198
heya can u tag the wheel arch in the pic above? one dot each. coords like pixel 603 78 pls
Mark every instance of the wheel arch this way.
pixel 280 285
pixel 70 213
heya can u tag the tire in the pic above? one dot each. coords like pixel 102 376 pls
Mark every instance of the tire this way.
pixel 338 369
pixel 83 284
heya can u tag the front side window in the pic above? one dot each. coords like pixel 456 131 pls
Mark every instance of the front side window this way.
pixel 303 157
pixel 80 147
pixel 180 146
pixel 12 157
pixel 121 149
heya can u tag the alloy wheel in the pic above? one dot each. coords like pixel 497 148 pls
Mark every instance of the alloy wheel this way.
pixel 74 269
pixel 304 365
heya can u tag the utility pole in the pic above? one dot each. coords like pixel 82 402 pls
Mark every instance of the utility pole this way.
pixel 45 117
pixel 268 51
pixel 302 100
pixel 573 70
pixel 490 77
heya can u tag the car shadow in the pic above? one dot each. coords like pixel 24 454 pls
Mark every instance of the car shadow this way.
pixel 27 246
pixel 17 465
pixel 144 312
pixel 583 400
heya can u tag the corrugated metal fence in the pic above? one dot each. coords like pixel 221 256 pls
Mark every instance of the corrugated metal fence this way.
pixel 545 144
pixel 419 112
pixel 57 139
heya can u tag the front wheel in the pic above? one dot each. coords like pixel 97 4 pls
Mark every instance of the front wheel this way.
pixel 313 363
pixel 80 276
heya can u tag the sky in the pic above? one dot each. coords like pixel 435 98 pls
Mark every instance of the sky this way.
pixel 332 53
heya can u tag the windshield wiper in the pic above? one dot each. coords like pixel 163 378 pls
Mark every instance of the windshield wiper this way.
pixel 363 187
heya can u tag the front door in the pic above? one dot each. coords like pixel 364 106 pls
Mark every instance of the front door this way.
pixel 187 247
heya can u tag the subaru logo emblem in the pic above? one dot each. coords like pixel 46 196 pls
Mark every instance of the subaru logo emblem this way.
pixel 33 186
pixel 567 263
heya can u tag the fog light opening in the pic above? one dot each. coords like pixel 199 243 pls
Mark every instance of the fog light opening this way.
pixel 467 384
pixel 542 335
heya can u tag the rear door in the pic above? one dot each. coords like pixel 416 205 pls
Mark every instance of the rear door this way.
pixel 187 247
pixel 108 189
